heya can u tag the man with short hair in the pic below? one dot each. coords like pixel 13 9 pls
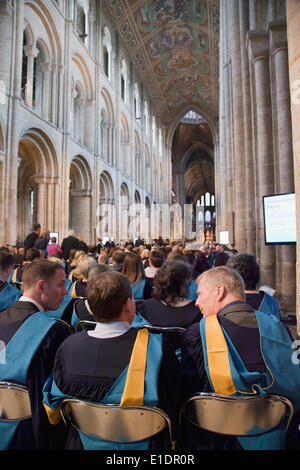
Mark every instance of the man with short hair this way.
pixel 117 259
pixel 236 350
pixel 93 365
pixel 31 339
pixel 8 293
pixel 156 260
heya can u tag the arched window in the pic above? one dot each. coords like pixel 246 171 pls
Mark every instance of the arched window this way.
pixel 104 135
pixel 123 80
pixel 107 48
pixel 207 199
pixel 24 69
pixel 80 23
pixel 136 100
pixel 78 112
pixel 153 132
pixel 38 85
pixel 146 118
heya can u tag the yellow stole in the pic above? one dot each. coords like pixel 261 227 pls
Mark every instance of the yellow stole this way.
pixel 133 394
pixel 217 356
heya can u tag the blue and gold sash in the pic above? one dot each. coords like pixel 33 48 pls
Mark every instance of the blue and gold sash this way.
pixel 137 385
pixel 18 355
pixel 228 375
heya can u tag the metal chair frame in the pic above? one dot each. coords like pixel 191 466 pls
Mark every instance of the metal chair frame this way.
pixel 113 423
pixel 237 415
pixel 14 402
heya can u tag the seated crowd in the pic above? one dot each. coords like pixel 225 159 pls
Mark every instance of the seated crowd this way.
pixel 194 314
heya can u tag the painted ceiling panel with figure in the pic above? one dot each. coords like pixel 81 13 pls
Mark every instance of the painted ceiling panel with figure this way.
pixel 174 46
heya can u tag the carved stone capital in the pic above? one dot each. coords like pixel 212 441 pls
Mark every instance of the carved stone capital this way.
pixel 278 36
pixel 31 51
pixel 258 45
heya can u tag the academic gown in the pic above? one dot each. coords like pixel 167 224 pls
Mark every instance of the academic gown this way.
pixel 239 322
pixel 35 433
pixel 263 302
pixel 8 295
pixel 86 368
pixel 159 314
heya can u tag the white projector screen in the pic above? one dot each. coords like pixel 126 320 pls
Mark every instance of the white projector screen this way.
pixel 223 237
pixel 280 219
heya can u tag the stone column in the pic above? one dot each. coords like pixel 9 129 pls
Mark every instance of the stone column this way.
pixel 238 130
pixel 286 255
pixel 54 94
pixel 11 169
pixel 293 34
pixel 258 46
pixel 61 113
pixel 41 200
pixel 81 209
pixel 45 93
pixel 31 52
pixel 248 148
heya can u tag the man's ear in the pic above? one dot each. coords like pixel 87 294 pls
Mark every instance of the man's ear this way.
pixel 221 291
pixel 40 285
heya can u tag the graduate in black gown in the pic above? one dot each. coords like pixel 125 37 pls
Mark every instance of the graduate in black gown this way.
pixel 31 340
pixel 90 363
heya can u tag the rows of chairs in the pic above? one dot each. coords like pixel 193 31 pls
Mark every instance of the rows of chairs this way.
pixel 226 415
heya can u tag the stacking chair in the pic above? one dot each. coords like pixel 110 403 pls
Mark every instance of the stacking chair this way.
pixel 85 325
pixel 122 425
pixel 237 415
pixel 67 325
pixel 14 402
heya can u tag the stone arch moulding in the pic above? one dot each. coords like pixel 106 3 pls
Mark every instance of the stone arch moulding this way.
pixel 85 74
pixel 109 105
pixel 82 173
pixel 106 188
pixel 47 165
pixel 212 122
pixel 44 14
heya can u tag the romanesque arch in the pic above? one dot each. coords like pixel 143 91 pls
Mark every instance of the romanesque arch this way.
pixel 38 178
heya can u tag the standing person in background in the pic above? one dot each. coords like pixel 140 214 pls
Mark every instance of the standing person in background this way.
pixel 32 237
pixel 42 242
pixel 68 243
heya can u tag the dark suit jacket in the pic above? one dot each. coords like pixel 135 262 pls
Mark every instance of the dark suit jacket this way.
pixel 67 244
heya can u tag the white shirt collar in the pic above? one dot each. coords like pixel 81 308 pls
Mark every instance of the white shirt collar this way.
pixel 23 298
pixel 109 329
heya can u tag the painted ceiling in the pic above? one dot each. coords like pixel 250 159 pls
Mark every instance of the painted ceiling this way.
pixel 174 47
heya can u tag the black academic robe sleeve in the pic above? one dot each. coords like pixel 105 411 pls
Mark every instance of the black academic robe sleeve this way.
pixel 39 433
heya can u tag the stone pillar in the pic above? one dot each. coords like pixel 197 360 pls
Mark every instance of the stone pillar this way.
pixel 238 130
pixel 293 34
pixel 31 53
pixel 41 200
pixel 248 147
pixel 258 44
pixel 61 114
pixel 53 94
pixel 45 93
pixel 81 210
pixel 11 169
pixel 286 255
